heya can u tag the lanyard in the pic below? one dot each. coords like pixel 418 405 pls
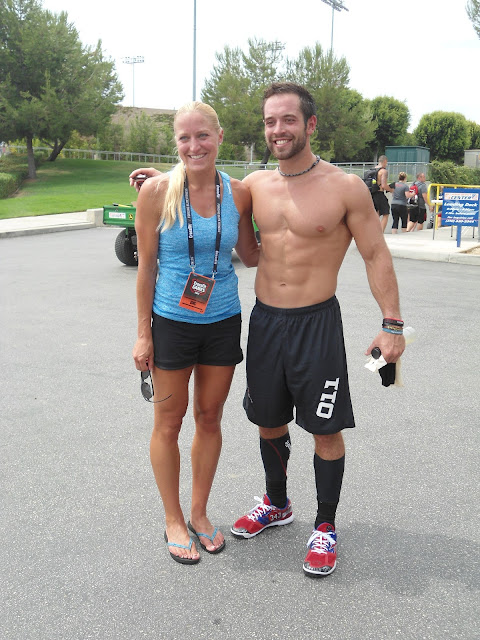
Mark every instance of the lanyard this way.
pixel 188 211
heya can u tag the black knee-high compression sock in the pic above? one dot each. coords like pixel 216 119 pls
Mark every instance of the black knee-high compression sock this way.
pixel 275 455
pixel 328 478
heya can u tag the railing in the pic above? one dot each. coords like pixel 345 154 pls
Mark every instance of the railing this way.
pixel 412 169
pixel 94 154
pixel 243 167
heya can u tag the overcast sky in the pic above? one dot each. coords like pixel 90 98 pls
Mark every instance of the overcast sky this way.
pixel 423 52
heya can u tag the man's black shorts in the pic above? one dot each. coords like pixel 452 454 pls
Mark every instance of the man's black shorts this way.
pixel 178 345
pixel 296 358
pixel 417 214
pixel 380 203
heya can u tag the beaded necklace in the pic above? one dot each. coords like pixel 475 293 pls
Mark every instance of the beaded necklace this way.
pixel 294 175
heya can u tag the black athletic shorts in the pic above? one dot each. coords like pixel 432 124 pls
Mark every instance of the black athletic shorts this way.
pixel 296 358
pixel 380 203
pixel 417 215
pixel 178 345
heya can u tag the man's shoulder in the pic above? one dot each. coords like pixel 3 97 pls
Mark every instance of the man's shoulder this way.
pixel 339 176
pixel 238 186
pixel 261 175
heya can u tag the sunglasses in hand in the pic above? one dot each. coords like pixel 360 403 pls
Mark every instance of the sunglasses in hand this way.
pixel 147 387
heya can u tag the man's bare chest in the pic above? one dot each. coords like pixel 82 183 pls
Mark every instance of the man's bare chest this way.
pixel 299 211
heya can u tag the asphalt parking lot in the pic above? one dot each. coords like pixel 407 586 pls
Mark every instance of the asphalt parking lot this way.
pixel 83 554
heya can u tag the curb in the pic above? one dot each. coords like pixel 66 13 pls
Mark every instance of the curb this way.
pixel 28 226
pixel 434 256
pixel 14 233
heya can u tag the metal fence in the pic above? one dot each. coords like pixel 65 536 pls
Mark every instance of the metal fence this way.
pixel 242 168
pixel 394 168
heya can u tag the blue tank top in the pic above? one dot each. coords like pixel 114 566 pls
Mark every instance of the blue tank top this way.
pixel 174 264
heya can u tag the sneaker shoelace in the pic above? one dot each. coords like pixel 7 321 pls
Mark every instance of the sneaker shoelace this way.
pixel 321 542
pixel 259 510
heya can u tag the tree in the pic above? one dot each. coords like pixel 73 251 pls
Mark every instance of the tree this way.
pixel 238 80
pixel 344 123
pixel 235 89
pixel 473 11
pixel 84 100
pixel 50 84
pixel 474 130
pixel 111 137
pixel 166 134
pixel 314 68
pixel 445 133
pixel 392 118
pixel 143 135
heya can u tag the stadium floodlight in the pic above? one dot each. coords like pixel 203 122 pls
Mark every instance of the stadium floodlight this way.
pixel 337 5
pixel 133 60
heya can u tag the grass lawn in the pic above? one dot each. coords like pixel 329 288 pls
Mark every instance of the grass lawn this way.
pixel 72 185
pixel 76 185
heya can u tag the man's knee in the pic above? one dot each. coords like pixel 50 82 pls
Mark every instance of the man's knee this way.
pixel 330 446
pixel 271 434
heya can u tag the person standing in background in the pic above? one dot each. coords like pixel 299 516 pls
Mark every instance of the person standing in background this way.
pixel 418 214
pixel 380 201
pixel 399 203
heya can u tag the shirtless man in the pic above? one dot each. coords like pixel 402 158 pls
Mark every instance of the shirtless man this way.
pixel 307 212
pixel 380 201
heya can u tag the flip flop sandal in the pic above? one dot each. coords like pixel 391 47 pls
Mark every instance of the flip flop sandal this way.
pixel 205 535
pixel 181 546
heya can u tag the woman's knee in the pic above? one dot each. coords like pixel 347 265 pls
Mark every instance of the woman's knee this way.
pixel 208 418
pixel 167 428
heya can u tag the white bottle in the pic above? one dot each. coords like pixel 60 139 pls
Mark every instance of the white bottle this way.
pixel 409 334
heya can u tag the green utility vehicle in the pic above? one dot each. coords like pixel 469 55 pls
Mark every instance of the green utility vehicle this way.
pixel 123 215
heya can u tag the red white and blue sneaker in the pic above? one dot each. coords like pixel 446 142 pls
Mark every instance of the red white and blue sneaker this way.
pixel 321 558
pixel 262 516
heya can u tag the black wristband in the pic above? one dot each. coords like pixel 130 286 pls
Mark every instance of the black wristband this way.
pixel 394 321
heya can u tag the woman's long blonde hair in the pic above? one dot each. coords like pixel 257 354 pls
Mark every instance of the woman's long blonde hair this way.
pixel 172 206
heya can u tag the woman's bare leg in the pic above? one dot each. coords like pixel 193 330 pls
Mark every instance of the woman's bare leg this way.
pixel 212 385
pixel 165 454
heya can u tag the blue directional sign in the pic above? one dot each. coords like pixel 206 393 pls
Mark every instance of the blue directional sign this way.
pixel 460 207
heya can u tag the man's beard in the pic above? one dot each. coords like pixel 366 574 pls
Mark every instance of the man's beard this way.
pixel 298 146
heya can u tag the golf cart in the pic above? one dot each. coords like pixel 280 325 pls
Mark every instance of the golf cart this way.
pixel 123 215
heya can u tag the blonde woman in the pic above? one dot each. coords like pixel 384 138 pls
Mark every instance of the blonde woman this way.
pixel 190 220
pixel 399 203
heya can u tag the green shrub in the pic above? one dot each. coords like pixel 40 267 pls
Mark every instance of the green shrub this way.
pixel 9 182
pixel 15 160
pixel 14 170
pixel 6 184
pixel 39 157
pixel 468 175
pixel 442 172
pixel 11 160
pixel 450 173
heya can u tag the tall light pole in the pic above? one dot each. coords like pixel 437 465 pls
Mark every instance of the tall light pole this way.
pixel 194 50
pixel 133 61
pixel 337 5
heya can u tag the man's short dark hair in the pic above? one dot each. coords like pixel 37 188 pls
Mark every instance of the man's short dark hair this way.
pixel 307 103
